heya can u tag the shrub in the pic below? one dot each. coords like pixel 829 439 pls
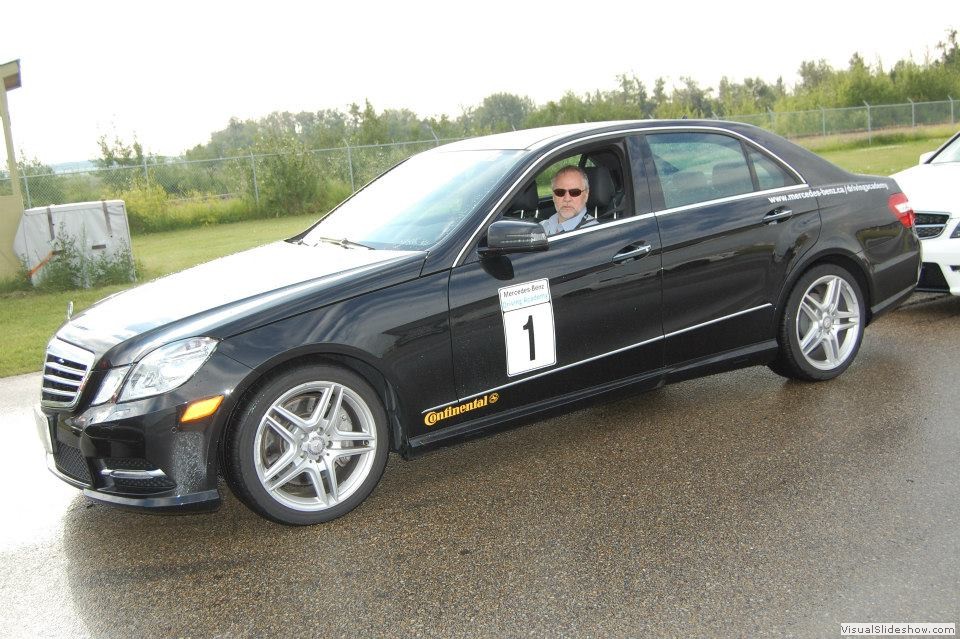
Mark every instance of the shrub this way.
pixel 70 268
pixel 288 179
pixel 147 207
pixel 18 282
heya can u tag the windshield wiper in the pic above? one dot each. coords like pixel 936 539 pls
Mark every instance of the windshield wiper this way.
pixel 345 243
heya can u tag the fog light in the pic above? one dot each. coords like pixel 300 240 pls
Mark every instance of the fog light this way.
pixel 200 409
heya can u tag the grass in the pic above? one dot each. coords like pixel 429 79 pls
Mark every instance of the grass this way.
pixel 881 160
pixel 172 251
pixel 882 153
pixel 862 139
pixel 30 318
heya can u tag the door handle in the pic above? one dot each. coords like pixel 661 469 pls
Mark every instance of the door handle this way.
pixel 777 215
pixel 631 252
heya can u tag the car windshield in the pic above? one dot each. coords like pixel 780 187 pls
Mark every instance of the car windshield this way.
pixel 949 154
pixel 417 203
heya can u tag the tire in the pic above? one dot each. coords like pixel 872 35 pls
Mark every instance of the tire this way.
pixel 822 326
pixel 309 446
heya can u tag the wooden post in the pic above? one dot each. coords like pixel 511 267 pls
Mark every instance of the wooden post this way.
pixel 11 207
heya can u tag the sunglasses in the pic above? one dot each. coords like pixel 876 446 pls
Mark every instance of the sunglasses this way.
pixel 572 192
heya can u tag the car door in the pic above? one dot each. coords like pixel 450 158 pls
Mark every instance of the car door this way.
pixel 726 246
pixel 545 328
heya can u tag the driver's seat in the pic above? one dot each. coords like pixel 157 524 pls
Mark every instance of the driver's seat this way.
pixel 603 200
pixel 526 204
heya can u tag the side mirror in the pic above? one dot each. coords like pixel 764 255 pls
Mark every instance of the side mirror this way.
pixel 926 156
pixel 514 236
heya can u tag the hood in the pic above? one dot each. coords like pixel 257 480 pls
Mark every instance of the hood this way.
pixel 207 299
pixel 932 187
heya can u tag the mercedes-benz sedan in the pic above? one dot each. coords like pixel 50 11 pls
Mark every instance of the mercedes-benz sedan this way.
pixel 432 305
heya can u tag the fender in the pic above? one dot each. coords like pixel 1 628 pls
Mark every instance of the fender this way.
pixel 839 255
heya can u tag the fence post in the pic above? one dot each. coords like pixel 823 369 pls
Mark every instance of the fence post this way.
pixel 913 113
pixel 26 191
pixel 951 109
pixel 350 166
pixel 771 115
pixel 436 139
pixel 256 185
pixel 146 176
pixel 823 121
pixel 869 126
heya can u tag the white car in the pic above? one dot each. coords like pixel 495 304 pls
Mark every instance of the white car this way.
pixel 932 187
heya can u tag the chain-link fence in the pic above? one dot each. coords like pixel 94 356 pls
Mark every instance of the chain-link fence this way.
pixel 865 119
pixel 283 182
pixel 257 177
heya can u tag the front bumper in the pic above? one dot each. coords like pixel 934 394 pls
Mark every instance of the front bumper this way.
pixel 941 262
pixel 134 482
pixel 137 454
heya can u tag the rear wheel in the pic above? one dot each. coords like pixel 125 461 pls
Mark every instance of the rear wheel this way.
pixel 822 327
pixel 309 447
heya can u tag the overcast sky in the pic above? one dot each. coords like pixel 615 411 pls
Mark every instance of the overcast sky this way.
pixel 173 72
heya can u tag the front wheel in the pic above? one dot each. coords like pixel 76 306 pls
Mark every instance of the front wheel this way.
pixel 309 446
pixel 822 325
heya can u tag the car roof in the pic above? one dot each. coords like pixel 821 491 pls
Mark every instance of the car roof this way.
pixel 811 167
pixel 531 139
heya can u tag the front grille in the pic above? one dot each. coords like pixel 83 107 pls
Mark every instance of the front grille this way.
pixel 932 279
pixel 70 462
pixel 128 463
pixel 64 373
pixel 930 225
pixel 150 484
pixel 152 479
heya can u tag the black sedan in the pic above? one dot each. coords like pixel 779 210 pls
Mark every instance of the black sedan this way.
pixel 472 286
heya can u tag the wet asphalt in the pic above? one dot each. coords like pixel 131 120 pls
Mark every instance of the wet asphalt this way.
pixel 736 505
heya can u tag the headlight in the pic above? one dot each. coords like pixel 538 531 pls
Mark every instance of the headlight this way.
pixel 110 385
pixel 167 367
pixel 956 232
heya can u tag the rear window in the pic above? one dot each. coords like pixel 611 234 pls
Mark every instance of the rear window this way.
pixel 770 175
pixel 698 167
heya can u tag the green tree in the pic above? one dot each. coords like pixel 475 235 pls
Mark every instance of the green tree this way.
pixel 500 112
pixel 288 175
pixel 44 187
pixel 118 153
pixel 949 50
pixel 688 100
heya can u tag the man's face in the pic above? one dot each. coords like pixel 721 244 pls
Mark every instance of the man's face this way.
pixel 567 205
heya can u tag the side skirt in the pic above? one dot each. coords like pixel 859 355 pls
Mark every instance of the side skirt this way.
pixel 761 353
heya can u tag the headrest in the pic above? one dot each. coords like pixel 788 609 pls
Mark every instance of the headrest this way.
pixel 732 178
pixel 527 200
pixel 601 186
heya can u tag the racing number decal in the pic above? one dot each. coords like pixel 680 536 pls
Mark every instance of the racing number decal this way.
pixel 528 326
pixel 533 344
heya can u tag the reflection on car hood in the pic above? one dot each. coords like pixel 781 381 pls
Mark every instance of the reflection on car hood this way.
pixel 219 291
pixel 932 187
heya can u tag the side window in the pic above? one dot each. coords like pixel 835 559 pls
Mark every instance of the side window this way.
pixel 543 178
pixel 698 167
pixel 535 203
pixel 608 197
pixel 770 175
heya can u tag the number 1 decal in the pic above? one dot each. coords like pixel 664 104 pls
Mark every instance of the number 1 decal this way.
pixel 533 345
pixel 528 329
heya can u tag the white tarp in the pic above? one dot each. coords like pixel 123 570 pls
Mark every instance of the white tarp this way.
pixel 97 228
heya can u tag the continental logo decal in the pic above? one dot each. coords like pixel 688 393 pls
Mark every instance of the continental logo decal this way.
pixel 433 417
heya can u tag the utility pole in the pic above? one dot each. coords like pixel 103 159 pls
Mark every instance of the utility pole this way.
pixel 11 206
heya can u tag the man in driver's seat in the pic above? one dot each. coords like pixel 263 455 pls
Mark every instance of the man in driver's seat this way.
pixel 570 188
